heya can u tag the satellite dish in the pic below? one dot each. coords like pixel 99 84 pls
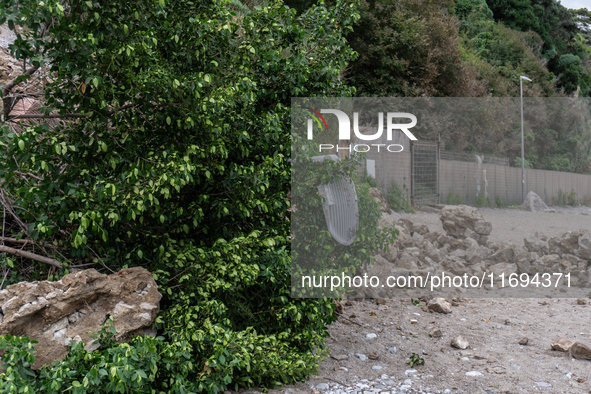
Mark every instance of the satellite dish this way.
pixel 340 207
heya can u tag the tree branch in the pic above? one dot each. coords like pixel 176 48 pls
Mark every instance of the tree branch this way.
pixel 25 242
pixel 31 256
pixel 6 100
pixel 39 116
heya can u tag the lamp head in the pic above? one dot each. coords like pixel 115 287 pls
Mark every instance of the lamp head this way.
pixel 524 77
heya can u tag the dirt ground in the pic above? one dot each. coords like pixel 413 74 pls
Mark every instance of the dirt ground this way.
pixel 493 328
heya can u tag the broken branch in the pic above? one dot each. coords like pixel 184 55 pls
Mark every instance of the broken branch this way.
pixel 31 256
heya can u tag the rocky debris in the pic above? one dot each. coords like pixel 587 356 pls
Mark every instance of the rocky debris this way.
pixel 465 249
pixel 580 351
pixel 435 332
pixel 533 203
pixel 524 341
pixel 584 246
pixel 373 356
pixel 460 342
pixel 581 301
pixel 456 219
pixel 562 345
pixel 381 199
pixel 55 313
pixel 439 305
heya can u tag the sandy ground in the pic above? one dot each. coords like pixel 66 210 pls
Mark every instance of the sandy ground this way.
pixel 493 328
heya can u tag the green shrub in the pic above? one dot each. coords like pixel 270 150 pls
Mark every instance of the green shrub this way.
pixel 481 202
pixel 499 202
pixel 397 200
pixel 563 198
pixel 454 199
pixel 178 165
pixel 370 180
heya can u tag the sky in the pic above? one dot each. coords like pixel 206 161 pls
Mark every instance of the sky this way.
pixel 576 4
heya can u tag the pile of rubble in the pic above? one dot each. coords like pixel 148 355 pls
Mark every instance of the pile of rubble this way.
pixel 466 249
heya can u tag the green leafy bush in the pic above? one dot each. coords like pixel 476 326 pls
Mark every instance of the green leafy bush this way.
pixel 179 165
pixel 397 201
pixel 563 198
pixel 454 199
pixel 481 202
pixel 499 202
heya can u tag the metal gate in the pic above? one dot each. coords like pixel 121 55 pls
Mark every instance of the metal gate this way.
pixel 424 180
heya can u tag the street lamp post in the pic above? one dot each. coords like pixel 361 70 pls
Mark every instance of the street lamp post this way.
pixel 521 78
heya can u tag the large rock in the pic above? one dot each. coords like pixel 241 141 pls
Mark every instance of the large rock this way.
pixel 536 245
pixel 440 305
pixel 54 313
pixel 386 221
pixel 533 203
pixel 562 345
pixel 456 219
pixel 584 250
pixel 580 351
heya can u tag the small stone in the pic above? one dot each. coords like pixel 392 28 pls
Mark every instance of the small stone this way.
pixel 344 369
pixel 581 301
pixel 473 373
pixel 465 353
pixel 447 391
pixel 440 305
pixel 460 342
pixel 435 332
pixel 360 356
pixel 376 367
pixel 524 341
pixel 413 321
pixel 371 336
pixel 393 350
pixel 543 384
pixel 410 371
pixel 340 357
pixel 465 359
pixel 580 351
pixel 372 356
pixel 322 386
pixel 381 301
pixel 348 303
pixel 408 382
pixel 562 345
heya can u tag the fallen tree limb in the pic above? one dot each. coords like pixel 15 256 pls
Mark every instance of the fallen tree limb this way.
pixel 25 242
pixel 32 256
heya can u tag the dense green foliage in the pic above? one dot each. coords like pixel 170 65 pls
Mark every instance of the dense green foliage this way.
pixel 180 165
pixel 564 44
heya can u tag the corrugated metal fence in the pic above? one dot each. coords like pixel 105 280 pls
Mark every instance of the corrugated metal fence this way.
pixel 462 177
